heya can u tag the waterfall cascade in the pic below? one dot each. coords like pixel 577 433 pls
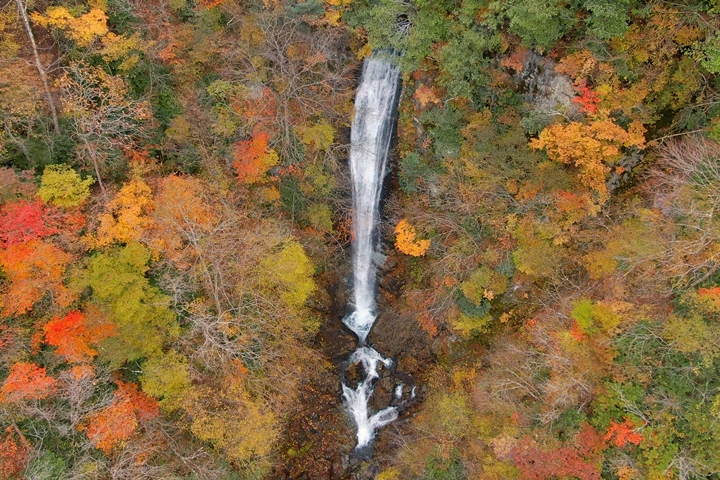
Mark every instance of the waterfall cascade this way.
pixel 370 135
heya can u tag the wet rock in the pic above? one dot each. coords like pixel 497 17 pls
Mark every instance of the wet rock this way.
pixel 383 395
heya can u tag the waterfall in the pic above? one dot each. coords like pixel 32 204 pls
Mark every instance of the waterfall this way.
pixel 370 135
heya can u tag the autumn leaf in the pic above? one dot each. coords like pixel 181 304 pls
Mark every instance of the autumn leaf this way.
pixel 34 269
pixel 426 95
pixel 253 158
pixel 73 336
pixel 26 381
pixel 13 454
pixel 118 421
pixel 23 221
pixel 623 433
pixel 406 242
pixel 127 216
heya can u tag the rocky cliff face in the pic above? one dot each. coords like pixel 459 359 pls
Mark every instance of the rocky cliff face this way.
pixel 548 91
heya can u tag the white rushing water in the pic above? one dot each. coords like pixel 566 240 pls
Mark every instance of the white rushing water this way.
pixel 370 136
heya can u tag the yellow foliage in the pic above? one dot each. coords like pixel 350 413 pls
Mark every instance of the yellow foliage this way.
pixel 116 47
pixel 83 29
pixel 127 216
pixel 391 473
pixel 241 426
pixel 406 242
pixel 319 135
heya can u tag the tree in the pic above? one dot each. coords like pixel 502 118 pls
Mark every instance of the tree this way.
pixel 22 10
pixel 289 274
pixel 242 427
pixel 167 377
pixel 104 116
pixel 623 433
pixel 582 458
pixel 592 148
pixel 406 240
pixel 24 221
pixel 14 451
pixel 253 158
pixel 26 381
pixel 83 29
pixel 127 216
pixel 183 215
pixel 72 335
pixel 138 309
pixel 34 269
pixel 63 187
pixel 118 421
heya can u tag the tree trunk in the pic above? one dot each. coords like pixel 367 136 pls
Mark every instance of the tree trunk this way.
pixel 41 70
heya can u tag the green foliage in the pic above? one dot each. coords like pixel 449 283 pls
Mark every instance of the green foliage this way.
pixel 582 313
pixel 445 124
pixel 413 170
pixel 62 186
pixel 166 106
pixel 483 283
pixel 138 309
pixel 429 26
pixel 464 63
pixel 608 18
pixel 539 23
pixel 440 468
pixel 711 54
pixel 46 466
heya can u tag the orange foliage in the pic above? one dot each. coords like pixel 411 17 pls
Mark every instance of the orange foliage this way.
pixel 426 95
pixel 253 158
pixel 117 422
pixel 209 4
pixel 260 110
pixel 181 214
pixel 26 381
pixel 589 147
pixel 623 433
pixel 34 268
pixel 13 454
pixel 72 336
pixel 711 292
pixel 406 242
pixel 576 332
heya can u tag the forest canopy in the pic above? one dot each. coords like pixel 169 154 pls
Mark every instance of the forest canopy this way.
pixel 175 231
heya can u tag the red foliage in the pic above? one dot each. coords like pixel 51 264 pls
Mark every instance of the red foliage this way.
pixel 72 336
pixel 117 422
pixel 587 99
pixel 581 458
pixel 623 433
pixel 13 454
pixel 26 381
pixel 23 221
